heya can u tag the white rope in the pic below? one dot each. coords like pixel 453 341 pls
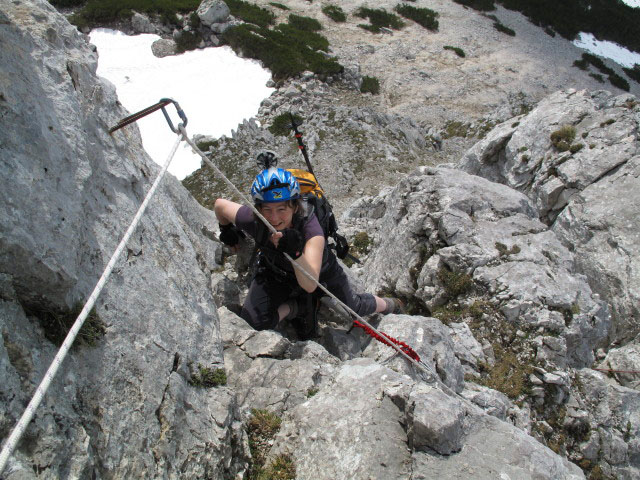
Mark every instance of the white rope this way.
pixel 421 365
pixel 19 429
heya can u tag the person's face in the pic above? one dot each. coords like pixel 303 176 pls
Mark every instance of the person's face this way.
pixel 279 215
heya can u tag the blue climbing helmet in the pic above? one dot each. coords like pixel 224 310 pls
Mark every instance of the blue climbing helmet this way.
pixel 275 185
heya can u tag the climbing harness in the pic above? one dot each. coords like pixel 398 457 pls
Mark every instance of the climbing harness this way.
pixel 22 424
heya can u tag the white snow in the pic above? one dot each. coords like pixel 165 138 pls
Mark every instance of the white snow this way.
pixel 615 52
pixel 632 3
pixel 216 89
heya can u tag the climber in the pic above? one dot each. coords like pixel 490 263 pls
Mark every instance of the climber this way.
pixel 278 291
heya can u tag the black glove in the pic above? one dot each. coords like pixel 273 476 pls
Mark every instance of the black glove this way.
pixel 291 242
pixel 229 234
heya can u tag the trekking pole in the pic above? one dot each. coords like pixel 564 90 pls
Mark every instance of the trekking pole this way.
pixel 301 146
pixel 26 417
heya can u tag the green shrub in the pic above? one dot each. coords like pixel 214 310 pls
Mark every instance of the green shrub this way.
pixel 97 13
pixel 379 18
pixel 563 137
pixel 286 51
pixel 335 13
pixel 281 125
pixel 251 13
pixel 458 51
pixel 67 3
pixel 370 85
pixel 581 64
pixel 279 5
pixel 208 377
pixel 303 38
pixel 479 5
pixel 194 20
pixel 504 29
pixel 306 24
pixel 597 62
pixel 423 16
pixel 617 81
pixel 187 41
pixel 597 76
pixel 633 73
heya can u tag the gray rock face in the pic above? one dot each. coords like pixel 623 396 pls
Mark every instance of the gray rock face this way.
pixel 586 188
pixel 213 11
pixel 444 221
pixel 626 360
pixel 611 413
pixel 429 338
pixel 490 439
pixel 124 407
pixel 141 24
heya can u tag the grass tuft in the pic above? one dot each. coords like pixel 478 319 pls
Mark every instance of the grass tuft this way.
pixel 262 427
pixel 208 377
pixel 562 138
pixel 455 283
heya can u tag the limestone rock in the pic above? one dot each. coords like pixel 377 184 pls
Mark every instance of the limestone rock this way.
pixel 68 192
pixel 584 189
pixel 141 24
pixel 213 11
pixel 495 449
pixel 164 47
pixel 437 421
pixel 429 338
pixel 612 420
pixel 447 221
pixel 627 360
